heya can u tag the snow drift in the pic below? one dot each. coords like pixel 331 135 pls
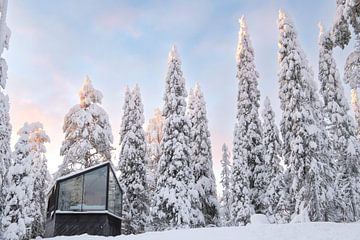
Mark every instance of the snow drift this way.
pixel 301 231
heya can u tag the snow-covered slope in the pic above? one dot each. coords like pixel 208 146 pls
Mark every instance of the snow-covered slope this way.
pixel 303 231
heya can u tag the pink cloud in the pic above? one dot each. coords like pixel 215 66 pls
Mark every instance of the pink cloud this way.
pixel 123 19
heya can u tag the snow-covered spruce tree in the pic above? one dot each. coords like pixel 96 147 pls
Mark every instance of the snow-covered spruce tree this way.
pixel 272 158
pixel 5 127
pixel 241 208
pixel 125 121
pixel 304 146
pixel 176 200
pixel 88 135
pixel 201 157
pixel 347 15
pixel 123 164
pixel 342 133
pixel 132 165
pixel 19 209
pixel 326 174
pixel 248 165
pixel 225 200
pixel 41 177
pixel 154 135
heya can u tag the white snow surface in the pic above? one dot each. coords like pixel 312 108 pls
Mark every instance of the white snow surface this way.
pixel 301 231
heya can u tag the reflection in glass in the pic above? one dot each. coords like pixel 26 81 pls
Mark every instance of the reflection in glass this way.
pixel 95 190
pixel 87 192
pixel 114 201
pixel 70 194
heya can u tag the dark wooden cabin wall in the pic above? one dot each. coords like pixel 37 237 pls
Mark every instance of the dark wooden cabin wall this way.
pixel 92 224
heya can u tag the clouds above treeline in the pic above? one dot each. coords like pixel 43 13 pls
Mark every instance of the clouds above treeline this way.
pixel 54 45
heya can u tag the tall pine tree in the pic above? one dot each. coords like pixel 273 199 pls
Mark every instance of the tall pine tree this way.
pixel 342 133
pixel 304 148
pixel 41 176
pixel 132 165
pixel 88 135
pixel 5 126
pixel 225 201
pixel 125 121
pixel 248 185
pixel 176 200
pixel 201 157
pixel 272 158
pixel 154 134
pixel 19 211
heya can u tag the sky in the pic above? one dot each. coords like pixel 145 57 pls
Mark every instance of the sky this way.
pixel 55 44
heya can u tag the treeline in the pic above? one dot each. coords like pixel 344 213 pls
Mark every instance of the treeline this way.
pixel 305 170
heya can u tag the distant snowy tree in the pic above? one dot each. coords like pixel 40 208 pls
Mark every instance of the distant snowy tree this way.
pixel 88 135
pixel 5 127
pixel 154 134
pixel 19 209
pixel 201 157
pixel 132 165
pixel 356 108
pixel 342 133
pixel 304 141
pixel 225 200
pixel 248 180
pixel 176 200
pixel 41 177
pixel 352 78
pixel 272 158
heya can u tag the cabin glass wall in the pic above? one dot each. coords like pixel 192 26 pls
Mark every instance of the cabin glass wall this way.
pixel 70 194
pixel 114 200
pixel 95 190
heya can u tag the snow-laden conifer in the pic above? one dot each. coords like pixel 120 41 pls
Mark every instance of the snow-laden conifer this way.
pixel 304 139
pixel 342 133
pixel 272 158
pixel 5 34
pixel 19 209
pixel 225 200
pixel 241 207
pixel 5 126
pixel 154 135
pixel 5 150
pixel 125 120
pixel 87 130
pixel 201 157
pixel 346 18
pixel 41 177
pixel 248 186
pixel 176 201
pixel 132 166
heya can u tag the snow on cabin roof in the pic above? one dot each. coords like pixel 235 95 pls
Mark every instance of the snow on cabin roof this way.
pixel 83 170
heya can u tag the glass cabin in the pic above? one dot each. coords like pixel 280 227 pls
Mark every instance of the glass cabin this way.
pixel 89 201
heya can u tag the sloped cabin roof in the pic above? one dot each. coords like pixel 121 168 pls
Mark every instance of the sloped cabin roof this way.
pixel 83 171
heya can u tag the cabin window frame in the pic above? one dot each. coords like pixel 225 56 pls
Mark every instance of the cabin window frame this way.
pixel 106 191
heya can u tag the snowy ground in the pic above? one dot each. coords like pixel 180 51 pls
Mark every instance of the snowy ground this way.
pixel 303 231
